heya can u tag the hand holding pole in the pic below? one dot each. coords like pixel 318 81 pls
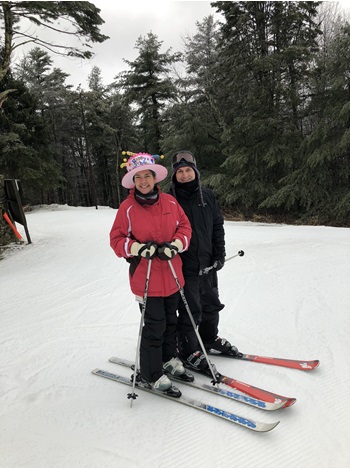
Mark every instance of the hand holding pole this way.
pixel 208 269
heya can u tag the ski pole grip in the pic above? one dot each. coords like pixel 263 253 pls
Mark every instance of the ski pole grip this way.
pixel 206 270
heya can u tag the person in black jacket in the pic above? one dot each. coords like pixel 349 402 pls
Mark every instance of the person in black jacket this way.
pixel 207 249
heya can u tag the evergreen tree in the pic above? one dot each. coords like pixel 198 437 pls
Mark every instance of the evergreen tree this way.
pixel 79 19
pixel 24 142
pixel 148 85
pixel 84 131
pixel 53 105
pixel 196 122
pixel 265 62
pixel 320 186
pixel 110 128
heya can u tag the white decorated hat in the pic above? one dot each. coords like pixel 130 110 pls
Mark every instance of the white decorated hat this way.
pixel 141 162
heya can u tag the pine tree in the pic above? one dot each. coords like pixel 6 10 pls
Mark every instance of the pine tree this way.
pixel 266 51
pixel 149 87
pixel 320 187
pixel 24 144
pixel 79 19
pixel 196 121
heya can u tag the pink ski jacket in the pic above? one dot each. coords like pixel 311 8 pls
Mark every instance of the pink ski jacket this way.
pixel 161 222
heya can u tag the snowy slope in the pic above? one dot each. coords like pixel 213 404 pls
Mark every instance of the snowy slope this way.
pixel 66 307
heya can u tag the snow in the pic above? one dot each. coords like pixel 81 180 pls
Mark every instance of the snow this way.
pixel 66 307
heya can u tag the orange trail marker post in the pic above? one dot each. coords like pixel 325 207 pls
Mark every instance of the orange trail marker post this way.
pixel 12 226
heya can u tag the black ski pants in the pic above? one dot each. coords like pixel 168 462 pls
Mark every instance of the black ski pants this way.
pixel 159 335
pixel 202 296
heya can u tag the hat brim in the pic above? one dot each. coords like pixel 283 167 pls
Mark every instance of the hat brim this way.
pixel 128 179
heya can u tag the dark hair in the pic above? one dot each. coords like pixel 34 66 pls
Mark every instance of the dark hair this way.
pixel 150 170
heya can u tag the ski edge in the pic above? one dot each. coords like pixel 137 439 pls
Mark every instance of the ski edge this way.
pixel 250 424
pixel 234 395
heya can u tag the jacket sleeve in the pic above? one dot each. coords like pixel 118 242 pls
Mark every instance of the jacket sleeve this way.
pixel 120 240
pixel 218 231
pixel 183 231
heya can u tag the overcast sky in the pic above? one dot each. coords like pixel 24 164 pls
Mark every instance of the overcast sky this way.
pixel 125 21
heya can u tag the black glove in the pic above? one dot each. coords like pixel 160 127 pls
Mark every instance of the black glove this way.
pixel 167 251
pixel 147 250
pixel 219 263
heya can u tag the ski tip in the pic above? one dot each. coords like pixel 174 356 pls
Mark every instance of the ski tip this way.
pixel 309 365
pixel 266 427
pixel 290 402
pixel 273 425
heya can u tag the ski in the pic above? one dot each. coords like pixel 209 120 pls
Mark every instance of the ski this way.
pixel 256 392
pixel 236 396
pixel 228 416
pixel 305 365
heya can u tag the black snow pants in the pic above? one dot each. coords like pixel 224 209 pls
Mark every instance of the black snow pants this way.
pixel 202 296
pixel 159 335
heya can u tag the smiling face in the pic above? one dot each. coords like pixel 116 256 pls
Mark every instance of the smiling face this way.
pixel 145 181
pixel 185 174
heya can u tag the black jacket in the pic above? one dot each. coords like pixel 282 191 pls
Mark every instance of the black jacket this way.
pixel 208 235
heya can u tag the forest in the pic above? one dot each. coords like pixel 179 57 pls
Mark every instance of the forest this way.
pixel 262 99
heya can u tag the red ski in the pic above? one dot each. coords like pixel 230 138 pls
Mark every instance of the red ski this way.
pixel 305 365
pixel 255 392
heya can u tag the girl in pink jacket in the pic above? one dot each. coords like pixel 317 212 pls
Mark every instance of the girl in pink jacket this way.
pixel 152 225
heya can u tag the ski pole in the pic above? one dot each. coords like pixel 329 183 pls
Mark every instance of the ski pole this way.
pixel 239 253
pixel 208 269
pixel 181 290
pixel 132 396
